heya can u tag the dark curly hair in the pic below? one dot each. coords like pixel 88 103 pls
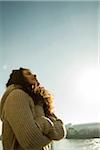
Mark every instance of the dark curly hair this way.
pixel 17 78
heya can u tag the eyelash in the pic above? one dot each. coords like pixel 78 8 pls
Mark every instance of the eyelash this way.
pixel 29 73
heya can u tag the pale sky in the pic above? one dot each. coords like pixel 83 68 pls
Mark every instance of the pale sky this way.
pixel 59 41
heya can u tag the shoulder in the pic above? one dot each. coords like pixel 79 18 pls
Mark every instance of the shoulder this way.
pixel 18 96
pixel 13 90
pixel 19 92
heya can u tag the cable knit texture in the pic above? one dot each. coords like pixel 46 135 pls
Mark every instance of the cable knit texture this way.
pixel 51 126
pixel 22 128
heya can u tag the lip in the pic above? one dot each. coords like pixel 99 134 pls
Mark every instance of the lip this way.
pixel 38 83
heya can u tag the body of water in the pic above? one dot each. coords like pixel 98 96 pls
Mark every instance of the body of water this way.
pixel 0 145
pixel 77 144
pixel 71 144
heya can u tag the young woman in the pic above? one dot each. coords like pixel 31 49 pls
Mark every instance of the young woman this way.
pixel 26 111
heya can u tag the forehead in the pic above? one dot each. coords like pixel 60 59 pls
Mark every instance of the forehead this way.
pixel 25 71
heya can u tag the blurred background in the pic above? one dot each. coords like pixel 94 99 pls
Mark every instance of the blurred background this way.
pixel 60 42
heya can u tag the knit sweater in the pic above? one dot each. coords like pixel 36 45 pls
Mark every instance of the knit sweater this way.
pixel 52 127
pixel 21 130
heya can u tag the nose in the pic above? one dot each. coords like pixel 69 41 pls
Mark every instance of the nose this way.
pixel 34 75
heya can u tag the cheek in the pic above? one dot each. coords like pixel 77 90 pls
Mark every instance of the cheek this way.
pixel 31 81
pixel 28 79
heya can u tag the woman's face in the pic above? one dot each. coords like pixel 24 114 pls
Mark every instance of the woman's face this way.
pixel 31 78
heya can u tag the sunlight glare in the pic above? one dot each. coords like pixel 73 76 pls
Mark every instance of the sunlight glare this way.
pixel 89 83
